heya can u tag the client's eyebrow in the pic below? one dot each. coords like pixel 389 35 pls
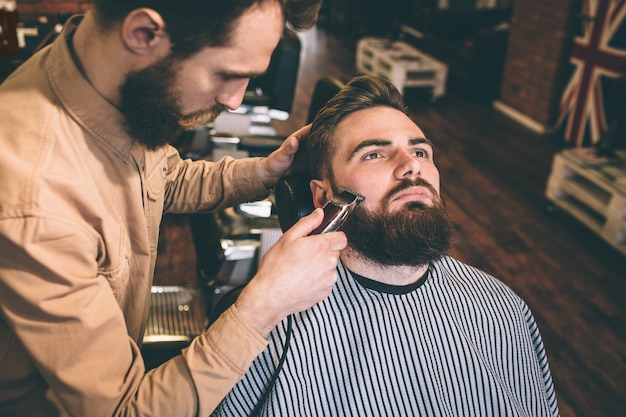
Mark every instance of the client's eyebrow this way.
pixel 417 141
pixel 386 142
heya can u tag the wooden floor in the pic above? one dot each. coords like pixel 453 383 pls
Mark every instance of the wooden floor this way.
pixel 493 174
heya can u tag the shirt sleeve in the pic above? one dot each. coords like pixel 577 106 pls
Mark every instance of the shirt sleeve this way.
pixel 73 333
pixel 201 185
pixel 230 343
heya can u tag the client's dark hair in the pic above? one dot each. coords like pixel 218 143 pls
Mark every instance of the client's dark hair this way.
pixel 196 24
pixel 362 92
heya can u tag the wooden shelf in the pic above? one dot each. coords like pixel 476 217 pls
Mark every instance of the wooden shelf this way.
pixel 592 192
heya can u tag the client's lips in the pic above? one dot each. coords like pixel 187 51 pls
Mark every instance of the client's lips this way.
pixel 417 193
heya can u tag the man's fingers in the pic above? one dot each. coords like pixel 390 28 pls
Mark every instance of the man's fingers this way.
pixel 307 224
pixel 301 133
pixel 290 145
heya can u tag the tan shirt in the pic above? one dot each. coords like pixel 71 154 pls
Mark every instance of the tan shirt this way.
pixel 80 207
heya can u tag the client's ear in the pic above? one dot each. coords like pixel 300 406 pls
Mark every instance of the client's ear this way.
pixel 321 191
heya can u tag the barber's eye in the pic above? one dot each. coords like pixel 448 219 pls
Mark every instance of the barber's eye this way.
pixel 371 155
pixel 231 77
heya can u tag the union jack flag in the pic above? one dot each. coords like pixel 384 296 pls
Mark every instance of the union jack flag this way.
pixel 598 56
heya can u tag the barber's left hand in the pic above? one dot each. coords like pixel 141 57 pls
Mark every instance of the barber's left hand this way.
pixel 276 164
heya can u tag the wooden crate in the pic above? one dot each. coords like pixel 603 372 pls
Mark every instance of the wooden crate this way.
pixel 592 192
pixel 401 64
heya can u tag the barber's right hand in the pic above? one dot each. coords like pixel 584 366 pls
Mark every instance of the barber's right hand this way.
pixel 297 272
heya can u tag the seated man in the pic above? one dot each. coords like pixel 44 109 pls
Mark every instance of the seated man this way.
pixel 407 330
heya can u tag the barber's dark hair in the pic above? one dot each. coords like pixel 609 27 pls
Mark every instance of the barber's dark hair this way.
pixel 362 92
pixel 196 24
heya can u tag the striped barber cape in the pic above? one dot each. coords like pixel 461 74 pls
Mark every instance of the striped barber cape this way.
pixel 457 343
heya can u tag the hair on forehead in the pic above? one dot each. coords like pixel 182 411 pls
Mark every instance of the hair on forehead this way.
pixel 360 93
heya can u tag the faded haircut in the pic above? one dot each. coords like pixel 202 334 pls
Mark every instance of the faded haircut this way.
pixel 360 93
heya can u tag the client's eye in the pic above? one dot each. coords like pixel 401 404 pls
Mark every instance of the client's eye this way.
pixel 422 153
pixel 371 155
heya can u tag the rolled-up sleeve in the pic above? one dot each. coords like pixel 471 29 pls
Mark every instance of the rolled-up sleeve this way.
pixel 219 358
pixel 200 185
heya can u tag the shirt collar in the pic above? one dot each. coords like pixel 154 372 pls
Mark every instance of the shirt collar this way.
pixel 380 287
pixel 81 100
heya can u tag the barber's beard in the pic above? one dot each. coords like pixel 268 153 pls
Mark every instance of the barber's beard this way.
pixel 415 235
pixel 152 112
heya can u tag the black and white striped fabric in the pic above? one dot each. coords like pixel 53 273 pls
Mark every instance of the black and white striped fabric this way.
pixel 460 343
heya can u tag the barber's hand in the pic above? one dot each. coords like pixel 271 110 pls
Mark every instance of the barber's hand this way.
pixel 296 273
pixel 276 164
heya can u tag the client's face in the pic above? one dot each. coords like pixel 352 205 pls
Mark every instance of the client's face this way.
pixel 383 155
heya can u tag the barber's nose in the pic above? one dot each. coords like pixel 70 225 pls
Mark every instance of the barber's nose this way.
pixel 408 165
pixel 232 93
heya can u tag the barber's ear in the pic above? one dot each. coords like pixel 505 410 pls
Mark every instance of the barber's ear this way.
pixel 322 192
pixel 143 30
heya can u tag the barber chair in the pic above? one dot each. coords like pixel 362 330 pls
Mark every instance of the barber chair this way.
pixel 292 194
pixel 175 317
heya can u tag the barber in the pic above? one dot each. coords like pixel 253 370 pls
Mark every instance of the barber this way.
pixel 87 173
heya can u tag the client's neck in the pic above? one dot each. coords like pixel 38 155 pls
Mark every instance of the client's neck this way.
pixel 391 275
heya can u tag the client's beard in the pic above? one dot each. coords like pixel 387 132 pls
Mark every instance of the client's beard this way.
pixel 152 113
pixel 416 235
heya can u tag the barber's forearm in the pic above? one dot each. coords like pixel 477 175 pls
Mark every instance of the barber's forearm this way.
pixel 207 186
pixel 220 357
